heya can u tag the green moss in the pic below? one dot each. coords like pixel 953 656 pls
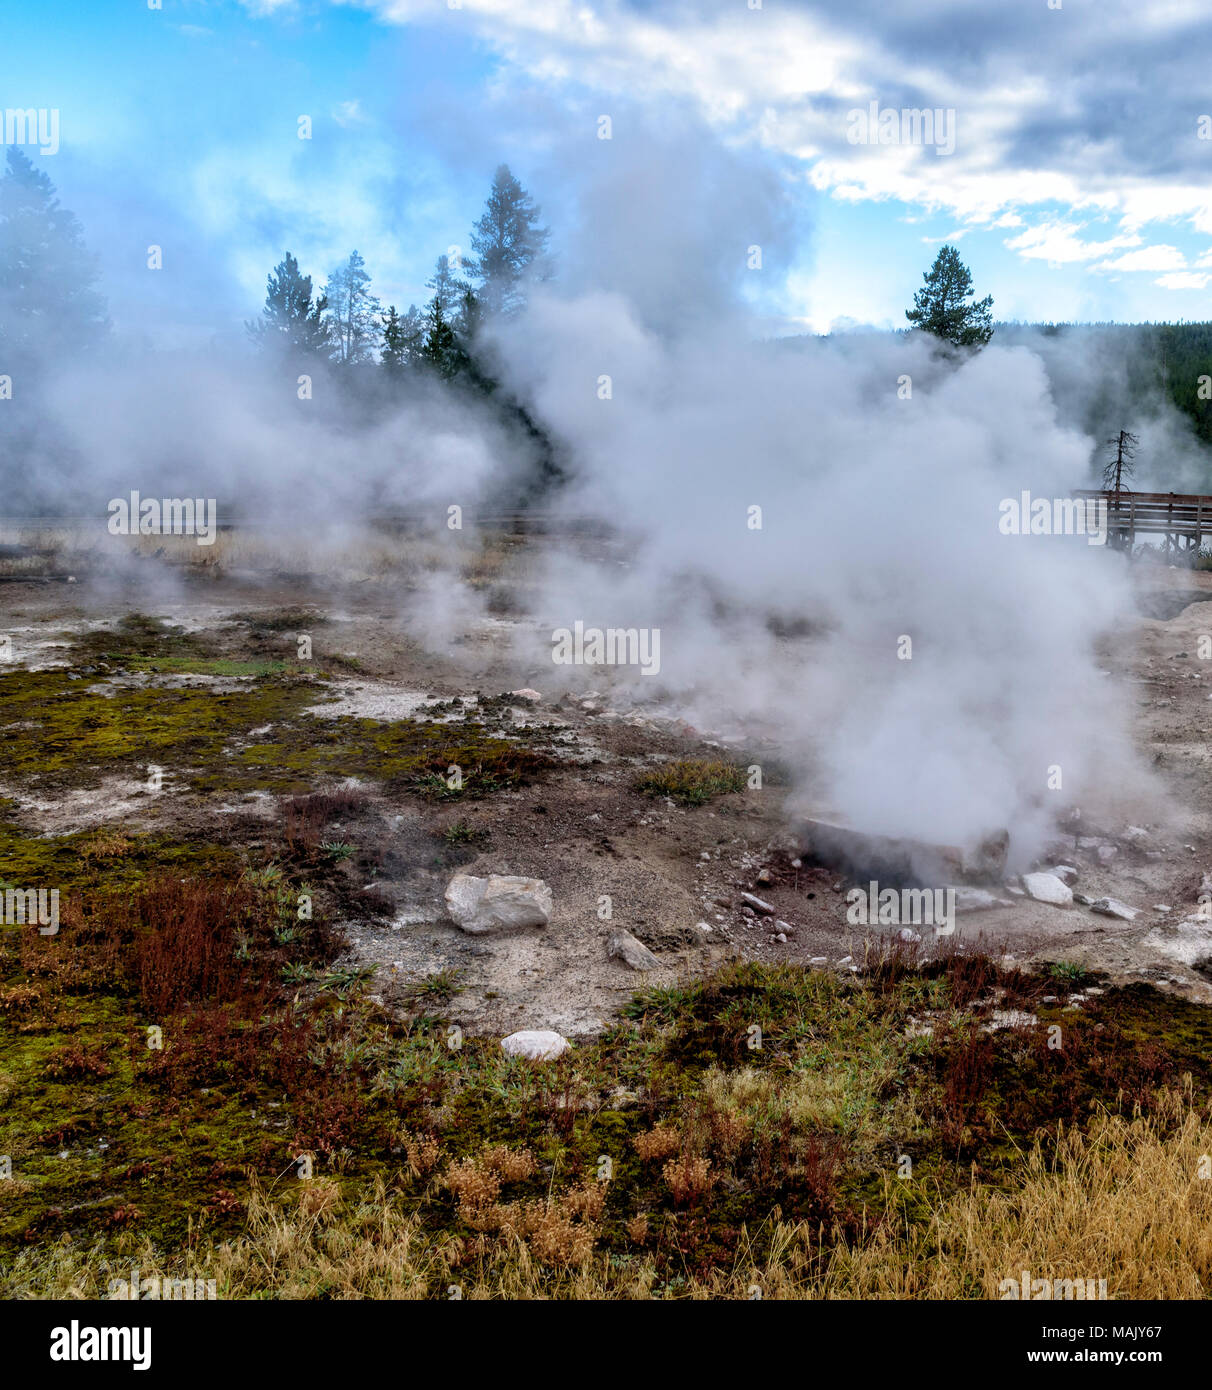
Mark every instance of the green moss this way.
pixel 60 730
pixel 210 666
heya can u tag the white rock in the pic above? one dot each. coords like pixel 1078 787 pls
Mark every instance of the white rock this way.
pixel 1047 888
pixel 501 902
pixel 819 962
pixel 758 905
pixel 1112 907
pixel 631 951
pixel 526 694
pixel 1065 872
pixel 1162 907
pixel 973 899
pixel 1106 853
pixel 536 1044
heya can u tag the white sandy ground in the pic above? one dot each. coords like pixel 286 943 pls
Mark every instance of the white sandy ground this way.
pixel 664 868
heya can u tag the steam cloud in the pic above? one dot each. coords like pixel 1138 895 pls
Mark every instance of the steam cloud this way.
pixel 878 514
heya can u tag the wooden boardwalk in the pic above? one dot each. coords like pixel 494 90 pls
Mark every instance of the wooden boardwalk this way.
pixel 1183 518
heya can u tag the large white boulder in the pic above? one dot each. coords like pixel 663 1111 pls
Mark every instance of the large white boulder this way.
pixel 1047 888
pixel 501 902
pixel 536 1044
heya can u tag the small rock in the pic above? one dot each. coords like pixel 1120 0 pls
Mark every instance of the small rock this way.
pixel 765 878
pixel 785 927
pixel 501 902
pixel 701 932
pixel 973 899
pixel 1106 853
pixel 1065 872
pixel 1162 907
pixel 536 1044
pixel 1083 899
pixel 819 962
pixel 1112 907
pixel 758 905
pixel 779 936
pixel 625 947
pixel 1047 888
pixel 526 694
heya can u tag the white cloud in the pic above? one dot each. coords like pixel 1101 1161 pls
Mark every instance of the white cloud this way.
pixel 1148 258
pixel 785 76
pixel 1183 280
pixel 1059 244
pixel 349 113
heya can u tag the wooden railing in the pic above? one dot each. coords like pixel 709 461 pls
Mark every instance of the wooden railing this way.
pixel 1184 518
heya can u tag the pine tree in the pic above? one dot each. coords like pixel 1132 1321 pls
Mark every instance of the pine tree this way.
pixel 403 338
pixel 447 286
pixel 508 242
pixel 441 348
pixel 353 311
pixel 940 306
pixel 468 318
pixel 291 319
pixel 48 306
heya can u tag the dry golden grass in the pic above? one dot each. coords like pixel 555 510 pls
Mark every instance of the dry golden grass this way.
pixel 1125 1203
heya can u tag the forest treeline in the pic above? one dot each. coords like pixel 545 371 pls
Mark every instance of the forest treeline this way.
pixel 51 311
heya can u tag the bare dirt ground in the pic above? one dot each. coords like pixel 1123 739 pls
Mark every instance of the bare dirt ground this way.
pixel 615 857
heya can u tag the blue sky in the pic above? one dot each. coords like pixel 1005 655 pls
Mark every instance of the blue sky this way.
pixel 1078 187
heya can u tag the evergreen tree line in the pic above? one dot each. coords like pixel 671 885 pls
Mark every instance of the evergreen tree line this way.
pixel 347 325
pixel 52 311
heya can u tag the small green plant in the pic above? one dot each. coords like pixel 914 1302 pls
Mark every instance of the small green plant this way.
pixel 337 849
pixel 438 987
pixel 342 978
pixel 1067 971
pixel 463 833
